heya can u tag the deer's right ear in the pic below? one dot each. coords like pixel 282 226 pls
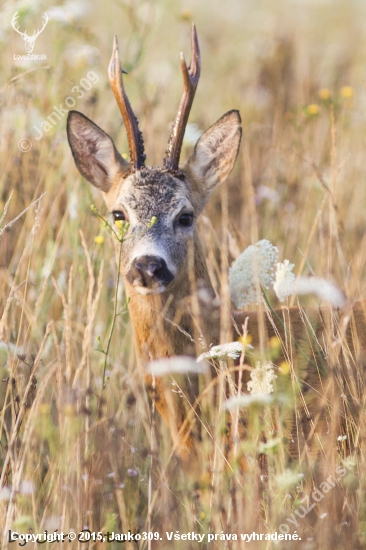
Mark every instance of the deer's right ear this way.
pixel 94 152
pixel 213 157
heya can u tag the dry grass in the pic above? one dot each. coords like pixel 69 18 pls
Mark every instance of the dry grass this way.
pixel 76 454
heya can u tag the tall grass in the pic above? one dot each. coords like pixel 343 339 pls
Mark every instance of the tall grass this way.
pixel 75 453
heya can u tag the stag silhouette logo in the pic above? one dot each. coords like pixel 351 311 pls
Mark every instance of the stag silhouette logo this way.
pixel 29 40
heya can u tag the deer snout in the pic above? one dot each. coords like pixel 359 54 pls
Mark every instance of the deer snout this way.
pixel 150 272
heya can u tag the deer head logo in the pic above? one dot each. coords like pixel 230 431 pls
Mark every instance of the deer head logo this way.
pixel 29 40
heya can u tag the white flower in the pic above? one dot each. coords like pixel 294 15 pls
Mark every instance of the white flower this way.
pixel 69 12
pixel 287 479
pixel 27 487
pixel 323 289
pixel 5 493
pixel 232 349
pixel 270 446
pixel 78 53
pixel 261 378
pixel 177 365
pixel 284 282
pixel 247 400
pixel 192 134
pixel 52 523
pixel 265 192
pixel 255 263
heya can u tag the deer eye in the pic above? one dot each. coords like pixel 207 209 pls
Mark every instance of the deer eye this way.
pixel 186 219
pixel 118 215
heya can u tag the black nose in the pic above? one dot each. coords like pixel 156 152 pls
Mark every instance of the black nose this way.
pixel 151 265
pixel 149 271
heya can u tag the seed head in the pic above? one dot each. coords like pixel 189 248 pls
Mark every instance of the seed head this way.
pixel 253 266
pixel 262 377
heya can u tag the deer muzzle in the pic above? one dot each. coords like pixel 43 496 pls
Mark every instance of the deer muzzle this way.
pixel 150 273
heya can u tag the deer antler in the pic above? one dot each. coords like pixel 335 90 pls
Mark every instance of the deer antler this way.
pixel 37 33
pixel 191 75
pixel 14 22
pixel 134 136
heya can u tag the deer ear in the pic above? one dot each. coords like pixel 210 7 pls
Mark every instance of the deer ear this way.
pixel 213 157
pixel 94 152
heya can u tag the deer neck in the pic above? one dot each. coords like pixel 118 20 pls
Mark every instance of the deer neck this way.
pixel 171 323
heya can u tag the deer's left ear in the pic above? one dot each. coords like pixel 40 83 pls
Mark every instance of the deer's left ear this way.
pixel 213 157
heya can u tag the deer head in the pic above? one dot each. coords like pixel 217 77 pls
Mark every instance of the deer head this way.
pixel 155 261
pixel 29 40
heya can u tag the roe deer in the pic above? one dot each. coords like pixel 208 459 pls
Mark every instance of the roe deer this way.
pixel 155 263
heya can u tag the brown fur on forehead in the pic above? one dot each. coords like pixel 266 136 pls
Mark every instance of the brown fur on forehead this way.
pixel 154 191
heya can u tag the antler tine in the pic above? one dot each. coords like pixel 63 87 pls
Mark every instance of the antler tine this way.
pixel 38 32
pixel 14 21
pixel 191 75
pixel 134 136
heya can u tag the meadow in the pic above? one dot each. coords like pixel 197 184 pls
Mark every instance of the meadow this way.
pixel 77 453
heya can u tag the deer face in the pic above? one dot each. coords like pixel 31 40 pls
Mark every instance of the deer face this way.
pixel 155 259
pixel 151 257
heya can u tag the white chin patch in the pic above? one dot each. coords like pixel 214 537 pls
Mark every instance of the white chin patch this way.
pixel 146 291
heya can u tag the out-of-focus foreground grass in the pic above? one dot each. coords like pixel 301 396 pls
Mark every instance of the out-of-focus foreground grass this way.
pixel 74 454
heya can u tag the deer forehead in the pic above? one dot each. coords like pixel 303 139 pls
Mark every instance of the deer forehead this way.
pixel 149 192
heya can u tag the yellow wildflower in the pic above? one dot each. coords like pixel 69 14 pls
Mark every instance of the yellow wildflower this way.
pixel 44 408
pixel 69 410
pixel 119 224
pixel 245 340
pixel 347 92
pixel 99 239
pixel 186 15
pixel 324 93
pixel 284 367
pixel 274 342
pixel 312 109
